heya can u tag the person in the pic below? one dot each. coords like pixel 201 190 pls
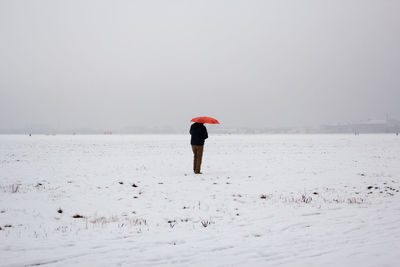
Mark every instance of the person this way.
pixel 198 134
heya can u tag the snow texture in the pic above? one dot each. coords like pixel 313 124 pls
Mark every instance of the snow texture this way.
pixel 262 200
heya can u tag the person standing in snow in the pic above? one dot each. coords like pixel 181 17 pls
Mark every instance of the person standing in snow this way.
pixel 199 134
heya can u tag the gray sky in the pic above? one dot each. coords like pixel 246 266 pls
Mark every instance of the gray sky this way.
pixel 112 64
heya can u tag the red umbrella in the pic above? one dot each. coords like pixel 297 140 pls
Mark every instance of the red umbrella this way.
pixel 205 120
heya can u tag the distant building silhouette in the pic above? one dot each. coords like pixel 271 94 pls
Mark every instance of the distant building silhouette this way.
pixel 370 126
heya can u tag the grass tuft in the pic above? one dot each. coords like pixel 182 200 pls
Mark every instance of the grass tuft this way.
pixel 206 223
pixel 14 188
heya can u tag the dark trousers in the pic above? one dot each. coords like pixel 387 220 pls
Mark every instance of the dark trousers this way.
pixel 198 155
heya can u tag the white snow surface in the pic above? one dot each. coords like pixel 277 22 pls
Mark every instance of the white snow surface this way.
pixel 262 200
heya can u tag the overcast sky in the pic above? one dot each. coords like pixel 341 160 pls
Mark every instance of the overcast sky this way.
pixel 112 64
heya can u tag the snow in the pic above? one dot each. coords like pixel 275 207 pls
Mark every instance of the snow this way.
pixel 262 200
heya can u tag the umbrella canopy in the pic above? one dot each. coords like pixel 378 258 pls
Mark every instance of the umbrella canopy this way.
pixel 205 120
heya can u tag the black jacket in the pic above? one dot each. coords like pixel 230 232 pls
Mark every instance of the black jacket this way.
pixel 199 133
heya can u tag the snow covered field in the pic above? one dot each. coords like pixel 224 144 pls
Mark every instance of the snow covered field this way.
pixel 263 200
